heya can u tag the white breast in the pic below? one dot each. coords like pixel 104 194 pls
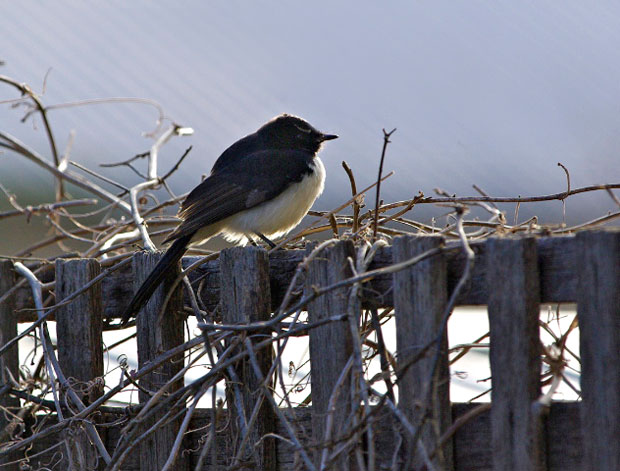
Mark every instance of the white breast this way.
pixel 280 215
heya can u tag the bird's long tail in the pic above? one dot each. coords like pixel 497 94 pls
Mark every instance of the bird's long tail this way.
pixel 155 278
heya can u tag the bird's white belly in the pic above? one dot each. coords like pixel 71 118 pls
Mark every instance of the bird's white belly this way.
pixel 280 215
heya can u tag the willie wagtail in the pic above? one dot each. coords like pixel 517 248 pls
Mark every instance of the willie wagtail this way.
pixel 262 185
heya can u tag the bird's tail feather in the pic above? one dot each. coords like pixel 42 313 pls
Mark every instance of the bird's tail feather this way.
pixel 155 278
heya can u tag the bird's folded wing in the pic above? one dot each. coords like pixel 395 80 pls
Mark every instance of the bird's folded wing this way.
pixel 245 183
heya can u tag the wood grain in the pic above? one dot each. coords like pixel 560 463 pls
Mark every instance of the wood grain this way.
pixel 246 297
pixel 80 345
pixel 420 299
pixel 9 362
pixel 330 345
pixel 472 442
pixel 158 330
pixel 556 257
pixel 79 323
pixel 514 309
pixel 598 311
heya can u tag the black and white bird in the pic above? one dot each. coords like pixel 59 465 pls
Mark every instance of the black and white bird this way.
pixel 262 185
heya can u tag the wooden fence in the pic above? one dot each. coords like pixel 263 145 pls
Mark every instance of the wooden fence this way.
pixel 512 276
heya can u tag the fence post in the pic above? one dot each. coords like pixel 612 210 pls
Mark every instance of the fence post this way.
pixel 330 345
pixel 9 362
pixel 420 299
pixel 514 310
pixel 245 298
pixel 79 325
pixel 598 311
pixel 80 344
pixel 156 335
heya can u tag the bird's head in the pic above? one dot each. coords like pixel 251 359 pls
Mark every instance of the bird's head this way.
pixel 292 132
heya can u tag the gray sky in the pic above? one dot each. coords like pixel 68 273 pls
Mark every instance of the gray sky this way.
pixel 492 93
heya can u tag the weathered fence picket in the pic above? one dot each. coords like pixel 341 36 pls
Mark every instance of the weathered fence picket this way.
pixel 9 362
pixel 80 343
pixel 420 300
pixel 79 325
pixel 598 311
pixel 514 310
pixel 246 298
pixel 158 330
pixel 513 276
pixel 330 350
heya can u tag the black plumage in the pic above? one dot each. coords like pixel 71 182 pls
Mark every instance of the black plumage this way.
pixel 243 191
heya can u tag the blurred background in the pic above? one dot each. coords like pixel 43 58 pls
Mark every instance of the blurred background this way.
pixel 486 93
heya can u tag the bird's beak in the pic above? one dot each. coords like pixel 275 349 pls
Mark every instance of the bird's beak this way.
pixel 328 137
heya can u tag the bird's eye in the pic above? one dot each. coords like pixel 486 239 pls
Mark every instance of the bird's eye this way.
pixel 304 129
